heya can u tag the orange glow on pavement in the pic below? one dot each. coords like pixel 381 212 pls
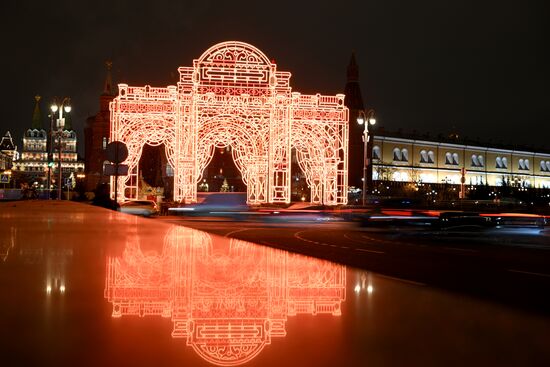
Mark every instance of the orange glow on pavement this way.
pixel 227 298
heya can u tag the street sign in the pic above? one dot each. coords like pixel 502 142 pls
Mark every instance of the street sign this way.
pixel 111 170
pixel 117 152
pixel 4 178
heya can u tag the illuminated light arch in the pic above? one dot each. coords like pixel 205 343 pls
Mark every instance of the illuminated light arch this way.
pixel 234 96
pixel 227 298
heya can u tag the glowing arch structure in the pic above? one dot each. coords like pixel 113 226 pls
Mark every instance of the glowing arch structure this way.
pixel 234 96
pixel 227 298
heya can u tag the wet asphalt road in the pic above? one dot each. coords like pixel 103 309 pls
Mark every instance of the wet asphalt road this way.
pixel 508 265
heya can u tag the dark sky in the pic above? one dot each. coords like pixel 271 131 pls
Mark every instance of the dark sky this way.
pixel 475 67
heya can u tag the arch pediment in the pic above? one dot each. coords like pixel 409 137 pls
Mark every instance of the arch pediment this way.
pixel 234 63
pixel 234 53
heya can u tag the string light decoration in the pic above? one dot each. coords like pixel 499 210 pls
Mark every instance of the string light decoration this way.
pixel 234 96
pixel 227 298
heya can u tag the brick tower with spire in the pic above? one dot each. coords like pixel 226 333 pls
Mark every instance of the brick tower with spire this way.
pixel 354 101
pixel 37 115
pixel 96 133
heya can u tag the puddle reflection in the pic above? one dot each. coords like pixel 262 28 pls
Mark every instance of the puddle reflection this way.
pixel 227 298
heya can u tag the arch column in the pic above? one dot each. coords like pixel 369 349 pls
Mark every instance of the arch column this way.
pixel 279 155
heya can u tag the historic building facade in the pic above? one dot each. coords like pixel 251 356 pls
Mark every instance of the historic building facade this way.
pixel 428 161
pixel 8 152
pixel 354 102
pixel 40 154
pixel 397 157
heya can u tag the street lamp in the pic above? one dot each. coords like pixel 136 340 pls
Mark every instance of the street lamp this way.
pixel 50 155
pixel 366 118
pixel 65 105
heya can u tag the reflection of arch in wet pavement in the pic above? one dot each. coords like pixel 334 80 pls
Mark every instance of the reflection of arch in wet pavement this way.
pixel 227 297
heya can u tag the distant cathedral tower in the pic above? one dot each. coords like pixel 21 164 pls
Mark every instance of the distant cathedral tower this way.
pixel 354 101
pixel 96 133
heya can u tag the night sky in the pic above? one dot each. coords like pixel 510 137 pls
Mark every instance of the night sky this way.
pixel 473 67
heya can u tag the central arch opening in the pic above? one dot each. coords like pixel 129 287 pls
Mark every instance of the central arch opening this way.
pixel 221 174
pixel 234 151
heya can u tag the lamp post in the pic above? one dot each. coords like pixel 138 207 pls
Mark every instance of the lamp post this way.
pixel 366 118
pixel 50 156
pixel 55 107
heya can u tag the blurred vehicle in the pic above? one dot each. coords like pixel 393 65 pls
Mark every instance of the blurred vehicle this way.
pixel 449 220
pixel 301 213
pixel 145 208
pixel 397 218
pixel 517 220
pixel 231 204
pixel 395 202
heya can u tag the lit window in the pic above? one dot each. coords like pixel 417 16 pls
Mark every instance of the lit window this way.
pixel 423 156
pixel 376 152
pixel 480 160
pixel 397 154
pixel 455 159
pixel 448 158
pixel 404 155
pixel 104 143
pixel 504 162
pixel 431 156
pixel 543 166
pixel 475 161
pixel 501 162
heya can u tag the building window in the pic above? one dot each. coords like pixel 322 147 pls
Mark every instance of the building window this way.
pixel 431 156
pixel 404 155
pixel 448 158
pixel 501 162
pixel 451 159
pixel 543 166
pixel 376 152
pixel 400 176
pixel 396 154
pixel 477 160
pixel 523 164
pixel 423 156
pixel 104 143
